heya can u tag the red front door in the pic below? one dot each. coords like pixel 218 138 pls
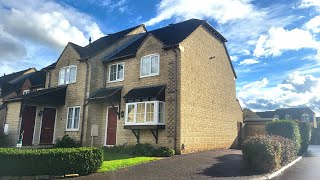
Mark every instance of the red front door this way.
pixel 27 124
pixel 112 126
pixel 47 127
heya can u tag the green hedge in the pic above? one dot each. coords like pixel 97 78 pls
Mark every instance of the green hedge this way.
pixel 285 128
pixel 305 132
pixel 288 149
pixel 67 142
pixel 29 162
pixel 143 150
pixel 261 153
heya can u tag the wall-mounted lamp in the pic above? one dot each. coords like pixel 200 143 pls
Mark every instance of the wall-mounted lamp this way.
pixel 40 113
pixel 122 114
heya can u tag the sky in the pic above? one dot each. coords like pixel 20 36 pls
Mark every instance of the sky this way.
pixel 274 45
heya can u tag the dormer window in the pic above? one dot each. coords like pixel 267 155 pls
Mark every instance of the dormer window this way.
pixel 150 65
pixel 27 91
pixel 67 75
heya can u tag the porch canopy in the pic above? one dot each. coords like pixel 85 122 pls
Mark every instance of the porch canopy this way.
pixel 146 93
pixel 105 93
pixel 51 96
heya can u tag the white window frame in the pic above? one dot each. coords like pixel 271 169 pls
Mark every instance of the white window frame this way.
pixel 72 124
pixel 150 74
pixel 27 91
pixel 117 79
pixel 155 113
pixel 65 69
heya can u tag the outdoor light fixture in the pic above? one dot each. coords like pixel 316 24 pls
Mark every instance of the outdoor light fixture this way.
pixel 122 114
pixel 40 113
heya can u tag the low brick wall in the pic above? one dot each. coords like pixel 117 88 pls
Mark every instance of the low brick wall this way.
pixel 255 126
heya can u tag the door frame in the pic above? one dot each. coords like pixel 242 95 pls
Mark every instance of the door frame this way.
pixel 106 130
pixel 55 121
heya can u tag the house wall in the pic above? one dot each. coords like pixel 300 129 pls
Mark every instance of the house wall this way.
pixel 14 121
pixel 132 80
pixel 254 128
pixel 209 111
pixel 75 92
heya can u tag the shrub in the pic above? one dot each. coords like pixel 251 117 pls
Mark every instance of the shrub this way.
pixel 67 142
pixel 288 149
pixel 30 162
pixel 261 153
pixel 305 132
pixel 142 150
pixel 285 128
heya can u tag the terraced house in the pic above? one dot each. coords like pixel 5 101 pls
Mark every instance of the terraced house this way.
pixel 172 87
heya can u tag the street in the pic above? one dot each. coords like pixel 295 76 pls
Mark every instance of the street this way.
pixel 306 168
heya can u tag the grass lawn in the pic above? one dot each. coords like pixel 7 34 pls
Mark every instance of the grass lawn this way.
pixel 114 161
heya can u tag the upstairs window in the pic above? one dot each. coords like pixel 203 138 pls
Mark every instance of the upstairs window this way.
pixel 67 75
pixel 149 65
pixel 145 113
pixel 116 72
pixel 305 117
pixel 73 119
pixel 287 117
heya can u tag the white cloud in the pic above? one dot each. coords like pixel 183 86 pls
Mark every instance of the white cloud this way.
pixel 309 3
pixel 279 40
pixel 313 24
pixel 234 58
pixel 220 11
pixel 47 23
pixel 249 61
pixel 295 90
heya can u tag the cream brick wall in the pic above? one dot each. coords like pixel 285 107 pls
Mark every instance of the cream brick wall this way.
pixel 132 80
pixel 75 91
pixel 209 111
pixel 14 121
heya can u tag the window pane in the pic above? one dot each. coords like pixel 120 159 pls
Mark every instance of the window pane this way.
pixel 161 112
pixel 140 112
pixel 154 65
pixel 73 71
pixel 120 71
pixel 130 114
pixel 70 115
pixel 67 76
pixel 76 118
pixel 143 67
pixel 61 76
pixel 148 66
pixel 150 112
pixel 113 72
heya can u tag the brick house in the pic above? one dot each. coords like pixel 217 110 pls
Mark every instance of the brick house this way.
pixel 18 84
pixel 172 87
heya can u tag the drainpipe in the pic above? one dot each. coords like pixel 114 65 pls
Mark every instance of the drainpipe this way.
pixel 49 77
pixel 84 101
pixel 5 115
pixel 175 99
pixel 104 75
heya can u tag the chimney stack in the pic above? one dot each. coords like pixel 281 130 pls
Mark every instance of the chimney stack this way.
pixel 90 40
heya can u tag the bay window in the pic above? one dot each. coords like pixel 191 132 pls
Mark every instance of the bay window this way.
pixel 144 113
pixel 67 75
pixel 116 72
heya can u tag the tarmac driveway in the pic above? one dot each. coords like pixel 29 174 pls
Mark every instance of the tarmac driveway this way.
pixel 224 164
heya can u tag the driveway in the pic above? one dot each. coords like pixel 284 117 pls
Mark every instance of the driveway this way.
pixel 204 165
pixel 306 168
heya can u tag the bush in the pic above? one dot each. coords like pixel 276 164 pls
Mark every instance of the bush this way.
pixel 67 142
pixel 288 149
pixel 30 162
pixel 261 153
pixel 305 132
pixel 143 150
pixel 285 128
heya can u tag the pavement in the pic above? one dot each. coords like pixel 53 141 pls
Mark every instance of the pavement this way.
pixel 218 164
pixel 307 168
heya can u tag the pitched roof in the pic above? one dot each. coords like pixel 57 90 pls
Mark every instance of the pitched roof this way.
pixel 169 35
pixel 295 113
pixel 100 44
pixel 6 78
pixel 247 113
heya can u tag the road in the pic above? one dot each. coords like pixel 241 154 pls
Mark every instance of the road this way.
pixel 307 168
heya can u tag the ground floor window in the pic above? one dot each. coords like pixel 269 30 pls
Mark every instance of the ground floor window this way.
pixel 73 118
pixel 145 113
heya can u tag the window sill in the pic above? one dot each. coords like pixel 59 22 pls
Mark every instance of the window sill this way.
pixel 120 80
pixel 66 84
pixel 71 130
pixel 149 76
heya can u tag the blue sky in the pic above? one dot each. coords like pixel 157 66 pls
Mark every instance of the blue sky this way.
pixel 274 45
